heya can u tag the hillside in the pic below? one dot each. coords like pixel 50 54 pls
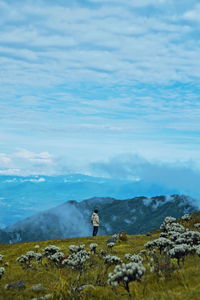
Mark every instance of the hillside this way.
pixel 163 279
pixel 72 219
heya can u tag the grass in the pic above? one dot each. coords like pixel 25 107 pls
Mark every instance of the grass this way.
pixel 178 284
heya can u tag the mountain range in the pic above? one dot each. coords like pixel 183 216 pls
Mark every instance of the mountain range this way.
pixel 72 219
pixel 24 196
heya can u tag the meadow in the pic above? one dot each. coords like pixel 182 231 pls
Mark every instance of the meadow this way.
pixel 164 277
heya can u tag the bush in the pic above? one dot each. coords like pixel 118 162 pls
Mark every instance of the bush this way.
pixel 126 273
pixel 134 258
pixel 179 252
pixel 186 217
pixel 112 260
pixel 123 236
pixel 2 271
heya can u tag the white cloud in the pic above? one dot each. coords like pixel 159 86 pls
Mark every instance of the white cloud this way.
pixel 43 157
pixel 5 160
pixel 79 44
pixel 90 82
pixel 193 14
pixel 10 171
pixel 141 3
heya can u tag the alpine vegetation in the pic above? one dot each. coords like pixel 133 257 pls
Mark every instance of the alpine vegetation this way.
pixel 190 237
pixel 126 273
pixel 75 248
pixel 134 258
pixel 162 243
pixel 37 247
pixel 110 245
pixel 179 252
pixel 186 217
pixel 93 247
pixel 57 258
pixel 2 271
pixel 76 273
pixel 50 250
pixel 112 260
pixel 167 221
pixel 77 260
pixel 24 260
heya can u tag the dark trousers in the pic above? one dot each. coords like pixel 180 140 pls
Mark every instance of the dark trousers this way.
pixel 95 230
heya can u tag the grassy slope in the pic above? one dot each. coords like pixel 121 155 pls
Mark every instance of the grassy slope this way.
pixel 184 283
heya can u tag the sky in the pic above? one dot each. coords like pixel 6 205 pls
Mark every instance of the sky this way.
pixel 84 84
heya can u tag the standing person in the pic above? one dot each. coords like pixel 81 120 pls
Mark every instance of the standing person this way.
pixel 95 222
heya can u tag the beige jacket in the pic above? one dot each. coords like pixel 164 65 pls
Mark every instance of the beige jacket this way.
pixel 95 219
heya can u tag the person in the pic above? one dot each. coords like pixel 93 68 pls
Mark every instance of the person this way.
pixel 95 222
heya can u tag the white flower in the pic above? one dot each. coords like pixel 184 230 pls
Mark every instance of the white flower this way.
pixel 75 248
pixel 134 258
pixel 179 251
pixel 50 250
pixel 186 217
pixel 77 260
pixel 93 247
pixel 112 260
pixel 126 273
pixel 110 245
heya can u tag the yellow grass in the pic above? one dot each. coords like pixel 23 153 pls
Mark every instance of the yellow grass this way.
pixel 182 284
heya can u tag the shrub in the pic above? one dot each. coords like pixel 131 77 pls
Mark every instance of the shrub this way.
pixel 149 245
pixel 179 252
pixel 75 248
pixel 176 227
pixel 167 221
pixel 77 260
pixel 112 260
pixel 50 250
pixel 23 259
pixel 163 234
pixel 198 250
pixel 2 271
pixel 57 258
pixel 134 258
pixel 126 273
pixel 123 236
pixel 103 252
pixel 110 245
pixel 174 235
pixel 186 217
pixel 30 255
pixel 191 238
pixel 93 247
pixel 162 243
pixel 197 225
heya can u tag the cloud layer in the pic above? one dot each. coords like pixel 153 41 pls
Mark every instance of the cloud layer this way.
pixel 88 80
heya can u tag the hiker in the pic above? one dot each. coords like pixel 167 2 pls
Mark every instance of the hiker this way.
pixel 95 222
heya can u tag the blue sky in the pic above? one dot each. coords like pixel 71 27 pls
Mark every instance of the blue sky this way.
pixel 86 82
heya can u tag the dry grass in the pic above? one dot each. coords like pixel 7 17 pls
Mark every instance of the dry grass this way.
pixel 181 284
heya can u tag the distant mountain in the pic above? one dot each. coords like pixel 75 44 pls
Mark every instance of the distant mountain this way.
pixel 21 197
pixel 72 219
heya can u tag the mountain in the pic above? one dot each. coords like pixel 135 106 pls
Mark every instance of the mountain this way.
pixel 21 196
pixel 72 219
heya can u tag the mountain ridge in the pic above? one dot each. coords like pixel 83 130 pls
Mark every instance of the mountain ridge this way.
pixel 72 219
pixel 23 196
